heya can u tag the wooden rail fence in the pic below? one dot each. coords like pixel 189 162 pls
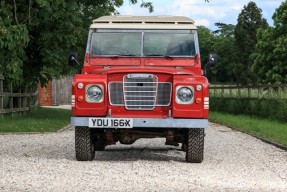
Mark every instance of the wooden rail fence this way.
pixel 11 102
pixel 277 91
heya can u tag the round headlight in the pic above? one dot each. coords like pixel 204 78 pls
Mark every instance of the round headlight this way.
pixel 94 93
pixel 184 95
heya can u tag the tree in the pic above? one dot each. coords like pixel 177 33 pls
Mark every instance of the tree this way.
pixel 206 42
pixel 222 42
pixel 249 20
pixel 224 30
pixel 36 35
pixel 224 46
pixel 270 56
pixel 13 39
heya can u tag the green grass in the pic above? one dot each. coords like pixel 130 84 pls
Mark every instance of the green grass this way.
pixel 38 120
pixel 271 130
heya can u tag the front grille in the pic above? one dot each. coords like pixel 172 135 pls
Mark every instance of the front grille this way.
pixel 163 94
pixel 140 92
pixel 116 93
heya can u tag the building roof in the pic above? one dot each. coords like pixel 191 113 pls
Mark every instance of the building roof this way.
pixel 144 22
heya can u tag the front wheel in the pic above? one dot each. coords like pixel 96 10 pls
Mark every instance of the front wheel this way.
pixel 85 149
pixel 194 145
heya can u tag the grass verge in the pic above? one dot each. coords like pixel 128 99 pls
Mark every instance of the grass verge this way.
pixel 271 130
pixel 38 120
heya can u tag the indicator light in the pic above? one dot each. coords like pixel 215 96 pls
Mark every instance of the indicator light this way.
pixel 80 98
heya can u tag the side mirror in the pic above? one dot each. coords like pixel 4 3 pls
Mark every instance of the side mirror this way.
pixel 212 59
pixel 72 59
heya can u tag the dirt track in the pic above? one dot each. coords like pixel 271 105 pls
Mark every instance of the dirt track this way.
pixel 233 162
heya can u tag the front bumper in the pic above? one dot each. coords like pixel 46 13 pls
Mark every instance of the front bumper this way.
pixel 152 122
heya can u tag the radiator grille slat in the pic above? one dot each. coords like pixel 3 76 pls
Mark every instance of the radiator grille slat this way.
pixel 140 93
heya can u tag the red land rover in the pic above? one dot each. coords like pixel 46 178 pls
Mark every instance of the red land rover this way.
pixel 141 78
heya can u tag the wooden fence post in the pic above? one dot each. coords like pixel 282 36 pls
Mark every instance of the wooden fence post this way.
pixel 25 99
pixel 269 90
pixel 239 91
pixel 1 94
pixel 11 97
pixel 249 92
pixel 19 100
pixel 284 90
pixel 279 91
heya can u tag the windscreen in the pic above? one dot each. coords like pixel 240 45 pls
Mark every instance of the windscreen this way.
pixel 143 43
pixel 168 44
pixel 106 43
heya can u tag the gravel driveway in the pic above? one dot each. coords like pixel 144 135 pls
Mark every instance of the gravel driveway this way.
pixel 233 162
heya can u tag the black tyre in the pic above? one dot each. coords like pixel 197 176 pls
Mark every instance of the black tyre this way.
pixel 194 145
pixel 183 147
pixel 99 143
pixel 85 149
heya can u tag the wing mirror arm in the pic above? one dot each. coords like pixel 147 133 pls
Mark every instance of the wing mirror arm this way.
pixel 72 59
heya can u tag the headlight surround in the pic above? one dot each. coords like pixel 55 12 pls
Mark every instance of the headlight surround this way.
pixel 94 93
pixel 184 94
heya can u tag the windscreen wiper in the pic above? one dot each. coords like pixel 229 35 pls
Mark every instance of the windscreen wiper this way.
pixel 158 55
pixel 122 55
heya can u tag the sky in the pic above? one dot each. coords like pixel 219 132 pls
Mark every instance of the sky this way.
pixel 203 13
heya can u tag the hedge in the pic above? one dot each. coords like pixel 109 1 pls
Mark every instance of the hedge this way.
pixel 274 109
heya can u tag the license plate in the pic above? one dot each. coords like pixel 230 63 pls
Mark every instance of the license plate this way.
pixel 111 122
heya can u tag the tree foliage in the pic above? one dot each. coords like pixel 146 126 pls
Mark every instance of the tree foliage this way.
pixel 36 35
pixel 226 70
pixel 249 20
pixel 13 40
pixel 249 50
pixel 222 42
pixel 270 55
pixel 206 41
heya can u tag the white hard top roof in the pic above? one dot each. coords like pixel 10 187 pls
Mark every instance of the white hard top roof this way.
pixel 143 22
